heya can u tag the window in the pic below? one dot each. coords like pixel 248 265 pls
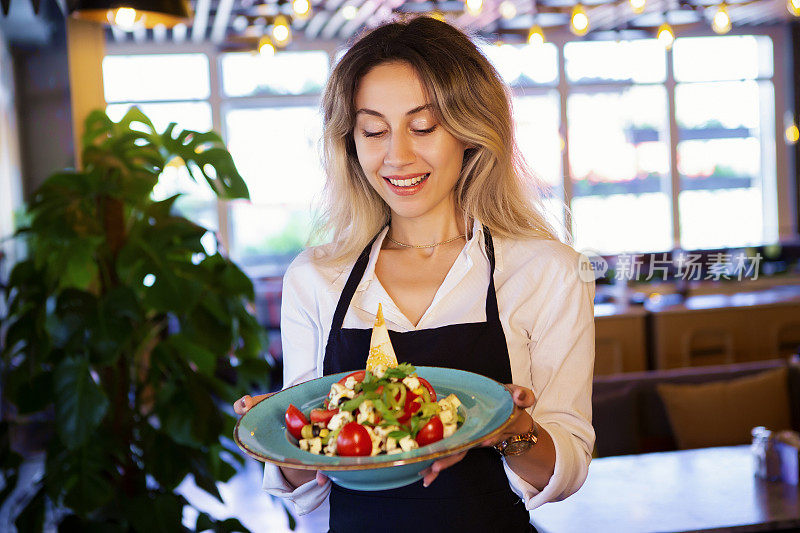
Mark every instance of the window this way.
pixel 168 88
pixel 724 103
pixel 611 110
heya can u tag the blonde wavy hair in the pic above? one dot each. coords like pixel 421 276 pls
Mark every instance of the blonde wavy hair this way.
pixel 471 102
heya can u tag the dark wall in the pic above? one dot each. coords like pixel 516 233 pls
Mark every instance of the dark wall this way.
pixel 41 72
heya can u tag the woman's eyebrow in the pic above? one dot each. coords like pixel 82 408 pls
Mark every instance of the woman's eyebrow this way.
pixel 411 112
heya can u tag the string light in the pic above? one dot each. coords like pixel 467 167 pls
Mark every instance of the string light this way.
pixel 474 7
pixel 301 8
pixel 536 35
pixel 508 10
pixel 281 31
pixel 792 134
pixel 265 47
pixel 665 35
pixel 349 12
pixel 793 7
pixel 637 6
pixel 579 20
pixel 721 23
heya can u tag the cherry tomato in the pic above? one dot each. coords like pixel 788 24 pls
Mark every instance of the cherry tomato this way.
pixel 295 420
pixel 323 415
pixel 358 375
pixel 431 432
pixel 424 383
pixel 354 440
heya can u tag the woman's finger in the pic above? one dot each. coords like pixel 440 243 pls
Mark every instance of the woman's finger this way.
pixel 245 403
pixel 241 406
pixel 321 478
pixel 523 396
pixel 430 473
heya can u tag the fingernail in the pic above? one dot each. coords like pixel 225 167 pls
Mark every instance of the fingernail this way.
pixel 425 485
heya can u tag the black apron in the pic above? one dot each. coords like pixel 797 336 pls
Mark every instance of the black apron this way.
pixel 472 495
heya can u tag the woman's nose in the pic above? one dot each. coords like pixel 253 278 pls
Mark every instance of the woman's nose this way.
pixel 399 152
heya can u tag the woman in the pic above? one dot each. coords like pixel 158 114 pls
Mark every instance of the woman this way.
pixel 432 215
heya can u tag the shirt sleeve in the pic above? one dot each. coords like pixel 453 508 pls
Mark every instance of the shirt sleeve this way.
pixel 562 366
pixel 300 334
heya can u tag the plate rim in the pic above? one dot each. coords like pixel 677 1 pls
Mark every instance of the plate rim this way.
pixel 373 466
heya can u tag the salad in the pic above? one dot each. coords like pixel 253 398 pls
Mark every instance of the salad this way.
pixel 380 410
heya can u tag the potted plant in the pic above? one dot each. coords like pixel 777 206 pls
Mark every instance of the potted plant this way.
pixel 126 336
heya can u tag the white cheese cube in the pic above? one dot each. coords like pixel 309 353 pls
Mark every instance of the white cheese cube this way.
pixel 339 419
pixel 449 429
pixel 448 416
pixel 315 445
pixel 408 444
pixel 350 383
pixel 304 444
pixel 391 444
pixel 411 382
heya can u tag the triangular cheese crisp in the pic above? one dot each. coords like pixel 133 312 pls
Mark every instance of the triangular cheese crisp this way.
pixel 381 351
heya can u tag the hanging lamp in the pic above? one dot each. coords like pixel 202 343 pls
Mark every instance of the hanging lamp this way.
pixel 148 13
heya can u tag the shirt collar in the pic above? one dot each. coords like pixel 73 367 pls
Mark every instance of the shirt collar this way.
pixel 477 240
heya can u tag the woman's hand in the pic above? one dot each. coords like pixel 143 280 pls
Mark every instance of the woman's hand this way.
pixel 294 476
pixel 521 422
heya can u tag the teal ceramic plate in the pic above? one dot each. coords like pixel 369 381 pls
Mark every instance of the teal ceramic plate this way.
pixel 261 433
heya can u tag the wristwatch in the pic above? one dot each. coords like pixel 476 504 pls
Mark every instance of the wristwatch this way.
pixel 518 444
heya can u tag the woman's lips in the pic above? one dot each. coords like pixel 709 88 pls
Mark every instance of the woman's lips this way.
pixel 410 189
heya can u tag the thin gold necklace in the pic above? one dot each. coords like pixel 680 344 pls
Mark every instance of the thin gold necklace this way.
pixel 425 245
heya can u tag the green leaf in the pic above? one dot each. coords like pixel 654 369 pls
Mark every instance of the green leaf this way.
pixel 205 360
pixel 159 513
pixel 399 434
pixel 80 403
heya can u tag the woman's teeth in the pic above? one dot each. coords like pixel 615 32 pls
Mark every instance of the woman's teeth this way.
pixel 409 182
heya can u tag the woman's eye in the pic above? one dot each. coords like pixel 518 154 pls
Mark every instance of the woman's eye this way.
pixel 371 133
pixel 429 130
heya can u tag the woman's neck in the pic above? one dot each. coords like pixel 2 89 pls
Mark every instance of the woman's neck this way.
pixel 430 228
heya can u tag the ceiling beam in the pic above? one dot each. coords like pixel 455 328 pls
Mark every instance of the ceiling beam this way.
pixel 200 21
pixel 221 21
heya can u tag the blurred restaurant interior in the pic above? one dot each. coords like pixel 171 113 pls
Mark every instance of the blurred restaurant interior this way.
pixel 669 128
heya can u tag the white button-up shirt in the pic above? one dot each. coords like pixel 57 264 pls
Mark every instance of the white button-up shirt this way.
pixel 547 314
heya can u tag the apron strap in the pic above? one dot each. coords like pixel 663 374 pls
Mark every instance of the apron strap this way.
pixel 350 287
pixel 492 315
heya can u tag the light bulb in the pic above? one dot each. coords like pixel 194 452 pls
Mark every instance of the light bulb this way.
pixel 536 35
pixel 637 6
pixel 265 47
pixel 792 134
pixel 508 10
pixel 349 12
pixel 665 35
pixel 721 23
pixel 579 20
pixel 281 31
pixel 474 6
pixel 301 8
pixel 438 15
pixel 793 7
pixel 125 18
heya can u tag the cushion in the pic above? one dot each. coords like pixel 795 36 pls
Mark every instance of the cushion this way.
pixel 722 413
pixel 615 422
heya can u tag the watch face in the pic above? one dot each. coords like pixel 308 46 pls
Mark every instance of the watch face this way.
pixel 518 447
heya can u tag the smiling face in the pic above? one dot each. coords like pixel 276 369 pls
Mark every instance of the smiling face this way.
pixel 408 157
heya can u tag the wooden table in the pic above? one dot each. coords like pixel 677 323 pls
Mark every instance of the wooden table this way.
pixel 709 489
